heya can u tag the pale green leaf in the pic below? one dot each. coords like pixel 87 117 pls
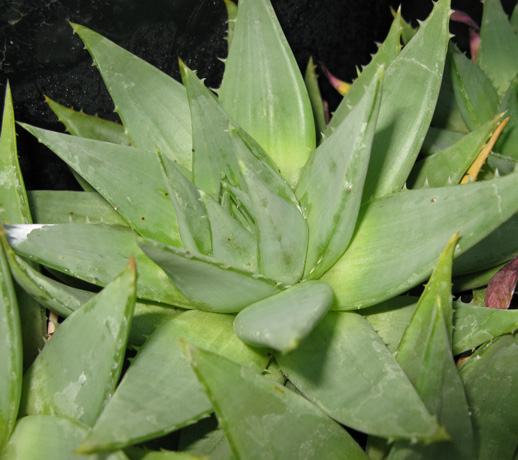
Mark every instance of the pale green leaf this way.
pixel 508 140
pixel 317 103
pixel 231 242
pixel 282 321
pixel 258 415
pixel 282 232
pixel 398 237
pixel 491 383
pixel 139 453
pixel 498 49
pixel 448 166
pixel 387 52
pixel 44 437
pixel 89 126
pixel 265 92
pixel 205 438
pixel 193 223
pixel 95 253
pixel 413 79
pixel 172 395
pixel 226 289
pixel 11 364
pixel 344 368
pixel 231 19
pixel 476 97
pixel 62 207
pixel 331 183
pixel 152 106
pixel 129 179
pixel 439 139
pixel 425 355
pixel 67 381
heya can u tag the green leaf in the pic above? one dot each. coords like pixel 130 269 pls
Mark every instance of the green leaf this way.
pixel 122 175
pixel 448 166
pixel 257 414
pixel 317 104
pixel 143 98
pixel 344 368
pixel 439 139
pixel 508 140
pixel 44 437
pixel 496 248
pixel 265 92
pixel 231 242
pixel 14 205
pixel 11 364
pixel 412 79
pixel 498 50
pixel 92 127
pixel 67 381
pixel 226 289
pixel 173 395
pixel 95 253
pixel 398 237
pixel 447 114
pixel 476 97
pixel 231 15
pixel 426 357
pixel 205 438
pixel 282 321
pixel 491 383
pixel 137 453
pixel 282 232
pixel 14 209
pixel 331 184
pixel 193 224
pixel 62 207
pixel 387 52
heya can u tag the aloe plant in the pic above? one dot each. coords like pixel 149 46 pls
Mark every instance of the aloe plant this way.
pixel 257 259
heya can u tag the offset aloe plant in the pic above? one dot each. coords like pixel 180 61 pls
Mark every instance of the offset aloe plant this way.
pixel 257 258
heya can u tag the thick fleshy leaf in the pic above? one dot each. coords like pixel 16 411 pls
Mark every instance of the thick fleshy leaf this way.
pixel 412 79
pixel 141 453
pixel 95 253
pixel 508 140
pixel 439 139
pixel 387 52
pixel 426 357
pixel 447 115
pixel 62 207
pixel 476 97
pixel 257 414
pixel 448 166
pixel 89 126
pixel 398 237
pixel 193 224
pixel 66 381
pixel 331 184
pixel 491 383
pixel 317 103
pixel 265 92
pixel 144 98
pixel 173 394
pixel 44 437
pixel 226 289
pixel 498 50
pixel 282 321
pixel 282 232
pixel 231 242
pixel 11 369
pixel 498 247
pixel 213 155
pixel 128 178
pixel 231 19
pixel 14 209
pixel 344 368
